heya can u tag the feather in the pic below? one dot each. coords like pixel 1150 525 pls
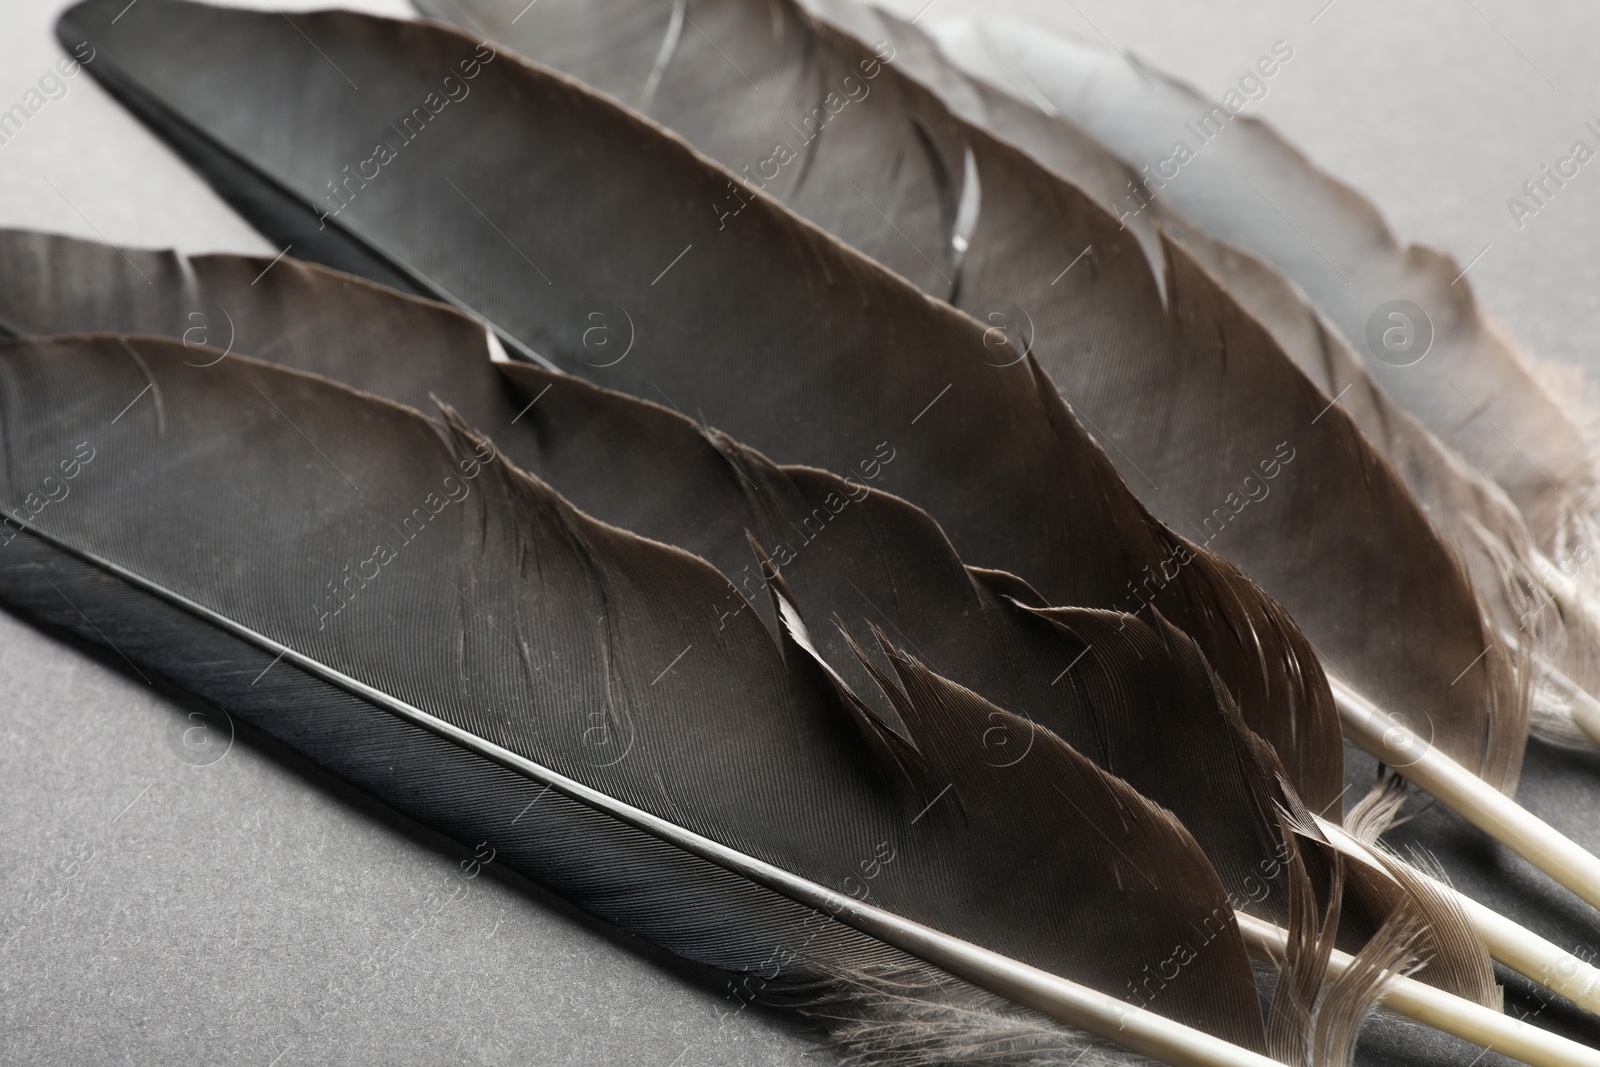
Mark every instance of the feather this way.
pixel 497 636
pixel 848 551
pixel 857 554
pixel 1205 418
pixel 940 1024
pixel 1507 414
pixel 842 356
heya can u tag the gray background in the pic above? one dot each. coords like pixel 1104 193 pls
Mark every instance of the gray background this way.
pixel 173 897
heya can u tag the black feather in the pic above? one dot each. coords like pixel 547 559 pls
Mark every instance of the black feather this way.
pixel 840 357
pixel 225 513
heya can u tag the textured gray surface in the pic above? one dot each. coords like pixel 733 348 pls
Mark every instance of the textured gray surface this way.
pixel 168 897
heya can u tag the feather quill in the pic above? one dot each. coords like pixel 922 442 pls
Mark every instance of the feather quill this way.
pixel 504 637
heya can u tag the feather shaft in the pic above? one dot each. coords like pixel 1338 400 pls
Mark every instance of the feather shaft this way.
pixel 1469 796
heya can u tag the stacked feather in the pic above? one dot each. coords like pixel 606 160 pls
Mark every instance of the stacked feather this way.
pixel 1157 379
pixel 727 665
pixel 1406 538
